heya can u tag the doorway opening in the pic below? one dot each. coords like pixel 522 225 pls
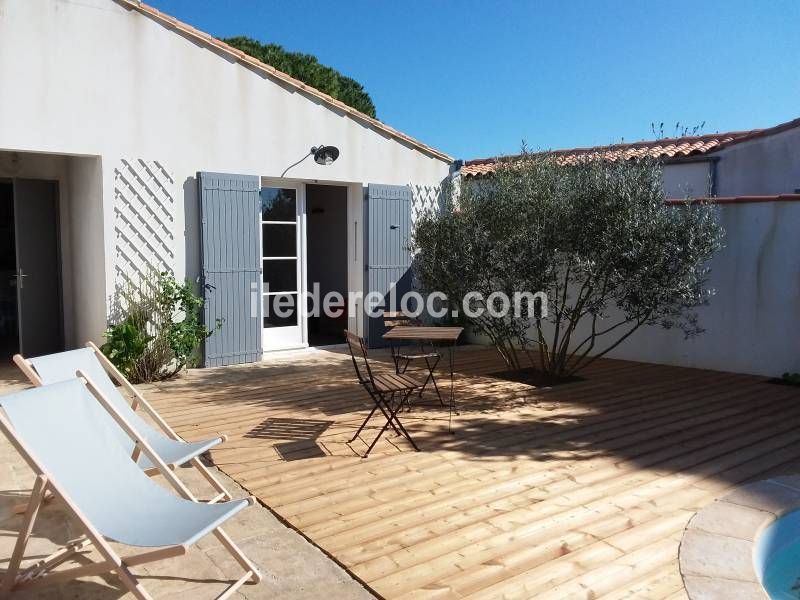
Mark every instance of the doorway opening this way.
pixel 30 273
pixel 326 252
pixel 9 336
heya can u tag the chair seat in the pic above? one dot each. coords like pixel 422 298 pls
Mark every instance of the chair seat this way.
pixel 419 356
pixel 78 447
pixel 392 382
pixel 53 368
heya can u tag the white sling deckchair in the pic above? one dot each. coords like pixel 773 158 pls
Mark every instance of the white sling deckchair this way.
pixel 168 445
pixel 67 432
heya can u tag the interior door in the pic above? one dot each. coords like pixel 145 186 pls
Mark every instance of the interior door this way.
pixel 38 277
pixel 282 248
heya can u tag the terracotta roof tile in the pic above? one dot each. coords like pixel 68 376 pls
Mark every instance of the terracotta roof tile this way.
pixel 666 148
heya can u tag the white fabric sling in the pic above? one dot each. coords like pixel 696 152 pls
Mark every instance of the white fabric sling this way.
pixel 71 440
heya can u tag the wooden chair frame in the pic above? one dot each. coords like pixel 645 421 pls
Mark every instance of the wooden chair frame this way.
pixel 41 573
pixel 137 400
pixel 403 360
pixel 388 402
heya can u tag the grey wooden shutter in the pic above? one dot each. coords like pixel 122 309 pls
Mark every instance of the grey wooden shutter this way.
pixel 230 207
pixel 388 259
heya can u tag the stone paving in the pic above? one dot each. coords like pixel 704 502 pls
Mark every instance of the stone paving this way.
pixel 292 567
pixel 716 555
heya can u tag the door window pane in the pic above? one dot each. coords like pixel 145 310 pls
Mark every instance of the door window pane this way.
pixel 280 276
pixel 280 310
pixel 278 204
pixel 279 240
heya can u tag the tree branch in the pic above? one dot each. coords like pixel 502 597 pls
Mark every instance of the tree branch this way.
pixel 638 324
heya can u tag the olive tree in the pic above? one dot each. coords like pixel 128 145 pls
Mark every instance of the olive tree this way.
pixel 595 236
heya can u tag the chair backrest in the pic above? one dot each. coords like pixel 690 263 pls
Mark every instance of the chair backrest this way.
pixel 399 318
pixel 63 432
pixel 358 352
pixel 63 366
pixel 393 319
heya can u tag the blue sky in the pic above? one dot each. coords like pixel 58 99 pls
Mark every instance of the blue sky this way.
pixel 476 78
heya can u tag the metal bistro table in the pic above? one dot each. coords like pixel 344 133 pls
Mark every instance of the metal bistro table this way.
pixel 432 335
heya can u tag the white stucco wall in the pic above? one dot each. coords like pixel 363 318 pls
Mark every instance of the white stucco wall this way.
pixel 688 179
pixel 762 166
pixel 95 78
pixel 87 279
pixel 753 322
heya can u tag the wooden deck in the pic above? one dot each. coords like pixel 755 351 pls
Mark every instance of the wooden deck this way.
pixel 579 491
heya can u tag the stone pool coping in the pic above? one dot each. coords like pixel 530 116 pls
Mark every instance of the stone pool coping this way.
pixel 716 552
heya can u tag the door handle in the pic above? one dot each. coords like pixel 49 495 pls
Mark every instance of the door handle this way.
pixel 20 276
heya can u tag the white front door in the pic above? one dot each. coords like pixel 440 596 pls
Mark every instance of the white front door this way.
pixel 283 250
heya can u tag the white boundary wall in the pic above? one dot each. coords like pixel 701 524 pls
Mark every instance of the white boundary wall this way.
pixel 753 322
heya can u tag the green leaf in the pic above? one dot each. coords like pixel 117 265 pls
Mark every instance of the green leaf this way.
pixel 160 329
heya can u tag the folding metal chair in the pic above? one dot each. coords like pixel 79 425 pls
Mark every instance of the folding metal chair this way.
pixel 427 352
pixel 388 391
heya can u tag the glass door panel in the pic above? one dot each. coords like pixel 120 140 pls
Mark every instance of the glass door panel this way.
pixel 280 310
pixel 279 240
pixel 278 205
pixel 281 251
pixel 280 275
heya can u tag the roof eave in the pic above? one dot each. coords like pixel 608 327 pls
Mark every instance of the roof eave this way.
pixel 242 57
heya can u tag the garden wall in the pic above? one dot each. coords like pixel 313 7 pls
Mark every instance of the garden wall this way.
pixel 752 324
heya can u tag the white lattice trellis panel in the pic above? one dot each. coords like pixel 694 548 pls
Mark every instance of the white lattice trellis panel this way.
pixel 424 199
pixel 144 219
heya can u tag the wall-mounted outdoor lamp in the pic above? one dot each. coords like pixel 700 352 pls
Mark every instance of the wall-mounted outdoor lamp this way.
pixel 323 155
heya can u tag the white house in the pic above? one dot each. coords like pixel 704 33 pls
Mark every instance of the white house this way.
pixel 752 324
pixel 131 141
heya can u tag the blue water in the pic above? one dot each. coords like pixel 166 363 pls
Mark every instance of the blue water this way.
pixel 777 558
pixel 781 577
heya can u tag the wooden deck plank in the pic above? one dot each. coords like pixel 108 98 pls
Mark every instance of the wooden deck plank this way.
pixel 580 490
pixel 531 479
pixel 516 529
pixel 545 509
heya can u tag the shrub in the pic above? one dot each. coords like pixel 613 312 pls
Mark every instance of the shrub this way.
pixel 308 69
pixel 595 236
pixel 159 330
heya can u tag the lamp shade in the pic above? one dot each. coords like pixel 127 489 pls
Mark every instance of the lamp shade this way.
pixel 325 155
